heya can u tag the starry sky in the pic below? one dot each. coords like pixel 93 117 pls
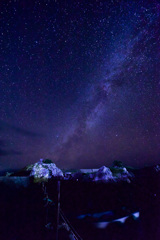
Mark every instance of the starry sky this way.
pixel 79 82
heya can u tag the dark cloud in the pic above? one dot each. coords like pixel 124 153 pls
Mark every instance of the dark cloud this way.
pixel 2 143
pixel 5 149
pixel 25 132
pixel 5 145
pixel 9 152
pixel 4 126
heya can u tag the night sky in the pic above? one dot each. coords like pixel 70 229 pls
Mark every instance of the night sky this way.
pixel 79 82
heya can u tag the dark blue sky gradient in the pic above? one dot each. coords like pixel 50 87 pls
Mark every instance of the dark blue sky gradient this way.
pixel 79 82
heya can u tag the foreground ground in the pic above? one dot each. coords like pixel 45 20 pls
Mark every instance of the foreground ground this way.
pixel 24 214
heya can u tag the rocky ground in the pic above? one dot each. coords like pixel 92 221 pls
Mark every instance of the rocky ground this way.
pixel 24 213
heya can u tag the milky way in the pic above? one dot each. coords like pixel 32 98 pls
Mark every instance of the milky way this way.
pixel 80 83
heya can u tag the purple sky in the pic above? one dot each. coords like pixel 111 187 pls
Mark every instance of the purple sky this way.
pixel 80 83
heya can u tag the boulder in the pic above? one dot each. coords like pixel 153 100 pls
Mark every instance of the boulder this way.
pixel 103 174
pixel 44 171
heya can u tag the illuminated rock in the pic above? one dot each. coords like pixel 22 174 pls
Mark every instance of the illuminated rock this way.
pixel 44 171
pixel 103 174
